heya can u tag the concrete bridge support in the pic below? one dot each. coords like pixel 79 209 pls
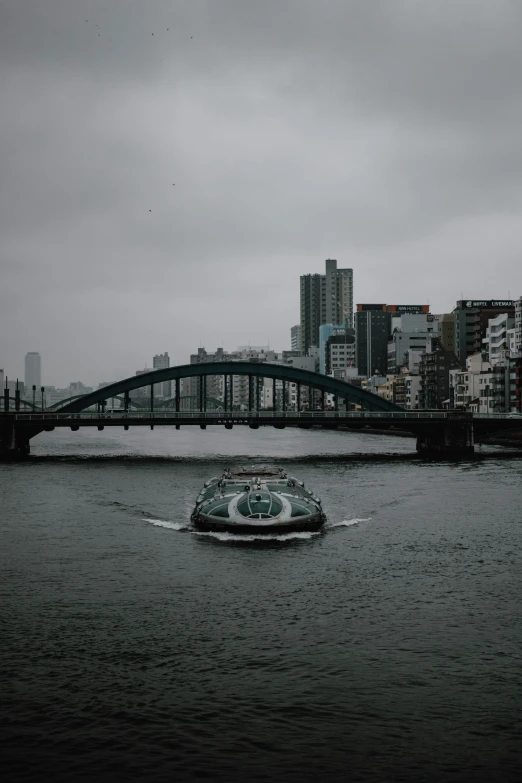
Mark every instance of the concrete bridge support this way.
pixel 14 445
pixel 447 438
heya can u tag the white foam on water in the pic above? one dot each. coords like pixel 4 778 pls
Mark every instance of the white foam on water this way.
pixel 349 522
pixel 267 537
pixel 167 524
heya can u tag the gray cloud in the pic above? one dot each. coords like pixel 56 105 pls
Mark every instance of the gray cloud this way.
pixel 384 134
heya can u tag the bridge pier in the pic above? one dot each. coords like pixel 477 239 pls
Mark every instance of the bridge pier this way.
pixel 14 445
pixel 450 437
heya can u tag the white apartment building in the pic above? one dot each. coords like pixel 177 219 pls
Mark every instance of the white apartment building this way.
pixel 468 387
pixel 499 332
pixel 479 392
pixel 409 332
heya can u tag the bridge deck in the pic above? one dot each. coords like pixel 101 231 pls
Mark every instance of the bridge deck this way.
pixel 404 420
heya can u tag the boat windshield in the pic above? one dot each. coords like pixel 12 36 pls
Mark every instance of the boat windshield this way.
pixel 259 503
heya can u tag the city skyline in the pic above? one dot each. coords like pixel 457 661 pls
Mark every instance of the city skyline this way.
pixel 158 361
pixel 406 169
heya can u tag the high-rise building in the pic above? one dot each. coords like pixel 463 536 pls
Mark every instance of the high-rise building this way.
pixel 372 330
pixel 295 338
pixel 313 310
pixel 160 362
pixel 447 331
pixel 338 294
pixel 33 370
pixel 471 322
pixel 325 299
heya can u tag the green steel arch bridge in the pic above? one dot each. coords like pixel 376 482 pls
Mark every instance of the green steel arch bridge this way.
pixel 439 432
pixel 322 384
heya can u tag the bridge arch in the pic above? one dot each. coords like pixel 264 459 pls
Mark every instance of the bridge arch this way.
pixel 23 403
pixel 57 406
pixel 322 383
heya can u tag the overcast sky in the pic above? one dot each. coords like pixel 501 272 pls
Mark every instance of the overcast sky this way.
pixel 169 168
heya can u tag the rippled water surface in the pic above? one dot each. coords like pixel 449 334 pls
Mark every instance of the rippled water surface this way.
pixel 387 647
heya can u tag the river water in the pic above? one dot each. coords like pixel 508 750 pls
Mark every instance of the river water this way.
pixel 387 647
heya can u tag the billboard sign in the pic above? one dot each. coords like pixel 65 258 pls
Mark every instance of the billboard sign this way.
pixel 413 309
pixel 466 304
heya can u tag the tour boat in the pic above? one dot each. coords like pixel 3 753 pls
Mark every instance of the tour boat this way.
pixel 257 499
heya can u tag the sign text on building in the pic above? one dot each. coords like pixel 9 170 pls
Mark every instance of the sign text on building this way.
pixel 487 303
pixel 408 308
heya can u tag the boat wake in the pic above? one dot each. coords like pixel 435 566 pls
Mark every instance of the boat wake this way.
pixel 265 537
pixel 169 525
pixel 248 537
pixel 348 522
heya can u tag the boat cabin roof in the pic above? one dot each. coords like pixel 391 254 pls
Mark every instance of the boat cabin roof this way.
pixel 241 471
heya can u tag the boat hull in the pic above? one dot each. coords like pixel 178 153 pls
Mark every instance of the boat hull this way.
pixel 271 528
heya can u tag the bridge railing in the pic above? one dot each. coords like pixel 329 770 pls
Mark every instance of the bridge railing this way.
pixel 228 415
pixel 517 416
